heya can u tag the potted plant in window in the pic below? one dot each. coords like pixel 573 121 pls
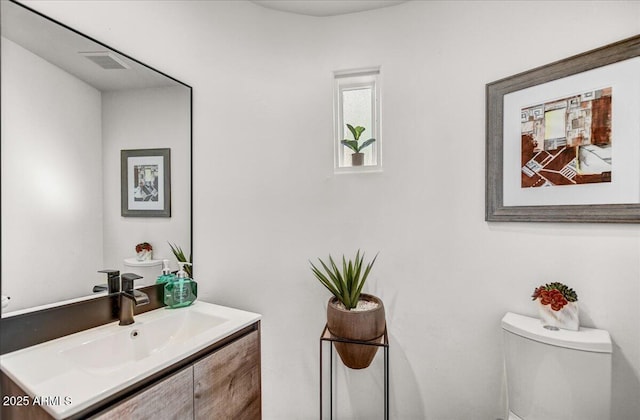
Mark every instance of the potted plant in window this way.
pixel 357 158
pixel 352 315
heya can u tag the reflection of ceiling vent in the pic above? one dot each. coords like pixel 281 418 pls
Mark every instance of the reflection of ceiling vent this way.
pixel 106 60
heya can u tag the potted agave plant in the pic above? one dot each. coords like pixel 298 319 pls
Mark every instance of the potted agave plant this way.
pixel 357 157
pixel 351 314
pixel 558 306
pixel 180 256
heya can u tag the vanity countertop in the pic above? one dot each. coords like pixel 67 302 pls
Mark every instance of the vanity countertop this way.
pixel 79 370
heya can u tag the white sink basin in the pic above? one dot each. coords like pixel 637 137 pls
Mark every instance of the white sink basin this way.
pixel 119 349
pixel 88 366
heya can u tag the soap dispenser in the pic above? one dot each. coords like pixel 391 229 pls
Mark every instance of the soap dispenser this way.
pixel 181 291
pixel 166 275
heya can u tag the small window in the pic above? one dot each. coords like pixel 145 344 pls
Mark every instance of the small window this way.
pixel 357 120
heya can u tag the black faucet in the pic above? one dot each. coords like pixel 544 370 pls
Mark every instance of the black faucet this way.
pixel 129 298
pixel 113 281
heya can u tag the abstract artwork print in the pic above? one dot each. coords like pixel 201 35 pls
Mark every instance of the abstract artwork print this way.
pixel 567 141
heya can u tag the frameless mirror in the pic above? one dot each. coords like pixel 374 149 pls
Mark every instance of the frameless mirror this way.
pixel 70 106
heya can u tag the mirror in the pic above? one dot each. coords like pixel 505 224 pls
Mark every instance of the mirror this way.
pixel 70 105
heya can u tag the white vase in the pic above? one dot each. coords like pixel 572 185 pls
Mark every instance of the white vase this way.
pixel 566 318
pixel 144 255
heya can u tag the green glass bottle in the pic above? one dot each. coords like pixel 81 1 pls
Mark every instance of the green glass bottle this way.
pixel 180 291
pixel 166 275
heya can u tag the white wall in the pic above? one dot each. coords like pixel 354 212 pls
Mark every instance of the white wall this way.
pixel 146 119
pixel 266 199
pixel 51 180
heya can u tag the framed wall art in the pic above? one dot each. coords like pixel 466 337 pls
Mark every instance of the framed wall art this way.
pixel 563 140
pixel 146 182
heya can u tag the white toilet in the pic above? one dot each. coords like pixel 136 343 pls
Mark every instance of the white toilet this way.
pixel 556 375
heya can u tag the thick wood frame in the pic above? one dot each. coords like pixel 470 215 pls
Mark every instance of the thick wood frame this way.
pixel 495 210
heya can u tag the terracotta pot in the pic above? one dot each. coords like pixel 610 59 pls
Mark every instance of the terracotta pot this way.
pixel 357 159
pixel 356 325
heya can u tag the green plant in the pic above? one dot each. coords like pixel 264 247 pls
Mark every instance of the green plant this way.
pixel 179 254
pixel 345 285
pixel 555 294
pixel 353 144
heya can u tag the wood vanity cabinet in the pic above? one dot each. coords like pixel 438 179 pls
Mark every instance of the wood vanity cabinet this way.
pixel 172 398
pixel 221 382
pixel 224 385
pixel 227 383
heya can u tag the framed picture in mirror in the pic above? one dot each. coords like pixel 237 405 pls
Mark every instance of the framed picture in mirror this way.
pixel 146 182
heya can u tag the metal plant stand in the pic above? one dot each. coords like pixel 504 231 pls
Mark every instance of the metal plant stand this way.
pixel 327 337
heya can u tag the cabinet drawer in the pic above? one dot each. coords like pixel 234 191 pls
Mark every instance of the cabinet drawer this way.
pixel 172 398
pixel 227 384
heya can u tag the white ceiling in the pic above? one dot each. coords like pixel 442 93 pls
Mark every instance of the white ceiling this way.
pixel 61 47
pixel 326 7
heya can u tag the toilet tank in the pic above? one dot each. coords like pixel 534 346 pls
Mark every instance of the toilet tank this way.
pixel 556 375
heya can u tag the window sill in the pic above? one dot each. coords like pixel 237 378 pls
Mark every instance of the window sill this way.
pixel 365 169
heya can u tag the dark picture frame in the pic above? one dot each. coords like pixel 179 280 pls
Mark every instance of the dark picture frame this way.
pixel 495 209
pixel 146 182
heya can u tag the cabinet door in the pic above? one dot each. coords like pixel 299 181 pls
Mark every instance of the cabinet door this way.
pixel 170 399
pixel 227 383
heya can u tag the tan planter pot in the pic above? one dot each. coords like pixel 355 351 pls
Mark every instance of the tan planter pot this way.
pixel 356 325
pixel 357 159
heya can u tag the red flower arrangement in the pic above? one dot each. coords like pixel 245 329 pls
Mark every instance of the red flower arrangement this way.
pixel 555 294
pixel 145 246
